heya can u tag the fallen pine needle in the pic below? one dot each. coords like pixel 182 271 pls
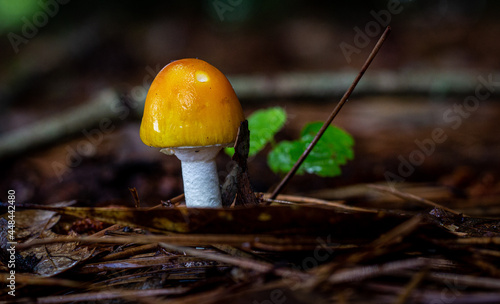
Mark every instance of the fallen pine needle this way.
pixel 411 286
pixel 413 198
pixel 185 240
pixel 479 241
pixel 365 272
pixel 289 199
pixel 112 294
pixel 258 266
pixel 26 279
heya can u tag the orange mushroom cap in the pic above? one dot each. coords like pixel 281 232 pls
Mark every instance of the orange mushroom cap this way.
pixel 190 103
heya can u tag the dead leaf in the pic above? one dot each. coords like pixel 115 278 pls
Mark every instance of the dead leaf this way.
pixel 56 258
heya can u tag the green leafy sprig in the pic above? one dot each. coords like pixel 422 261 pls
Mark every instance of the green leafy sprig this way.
pixel 333 150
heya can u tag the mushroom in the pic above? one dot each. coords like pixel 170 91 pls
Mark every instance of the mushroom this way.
pixel 192 112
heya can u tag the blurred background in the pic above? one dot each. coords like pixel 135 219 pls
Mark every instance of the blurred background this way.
pixel 74 74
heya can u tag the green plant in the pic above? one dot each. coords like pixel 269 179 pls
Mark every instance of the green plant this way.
pixel 332 150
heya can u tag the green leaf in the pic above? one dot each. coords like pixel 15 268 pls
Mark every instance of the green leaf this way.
pixel 332 150
pixel 284 155
pixel 336 140
pixel 263 125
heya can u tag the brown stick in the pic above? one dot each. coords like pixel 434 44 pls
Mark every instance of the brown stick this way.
pixel 344 99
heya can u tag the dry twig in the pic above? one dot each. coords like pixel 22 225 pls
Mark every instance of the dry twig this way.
pixel 337 109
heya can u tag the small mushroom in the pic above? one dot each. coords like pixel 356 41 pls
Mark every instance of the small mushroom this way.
pixel 192 112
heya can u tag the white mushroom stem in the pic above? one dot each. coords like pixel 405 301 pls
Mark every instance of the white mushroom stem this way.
pixel 199 174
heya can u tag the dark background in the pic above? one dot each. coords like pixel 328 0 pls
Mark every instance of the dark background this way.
pixel 86 47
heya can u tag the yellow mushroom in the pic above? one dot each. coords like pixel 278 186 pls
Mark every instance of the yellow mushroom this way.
pixel 192 112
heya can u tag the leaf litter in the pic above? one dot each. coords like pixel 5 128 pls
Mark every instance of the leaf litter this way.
pixel 285 250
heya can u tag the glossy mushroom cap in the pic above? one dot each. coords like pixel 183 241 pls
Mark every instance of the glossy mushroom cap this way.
pixel 190 103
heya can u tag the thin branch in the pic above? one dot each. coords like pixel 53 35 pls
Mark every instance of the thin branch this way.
pixel 337 109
